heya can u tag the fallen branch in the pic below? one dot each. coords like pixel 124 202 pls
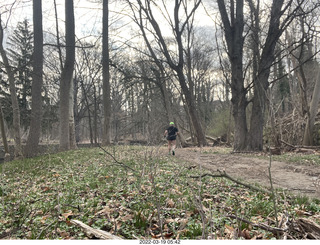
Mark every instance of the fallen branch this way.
pixel 301 228
pixel 309 147
pixel 94 233
pixel 44 229
pixel 310 228
pixel 274 230
pixel 286 143
pixel 223 174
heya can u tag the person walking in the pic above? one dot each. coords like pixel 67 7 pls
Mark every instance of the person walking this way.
pixel 171 134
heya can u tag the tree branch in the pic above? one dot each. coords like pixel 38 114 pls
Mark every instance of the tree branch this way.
pixel 274 230
pixel 120 163
pixel 223 174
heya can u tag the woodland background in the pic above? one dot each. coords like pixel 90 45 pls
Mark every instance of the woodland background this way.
pixel 241 72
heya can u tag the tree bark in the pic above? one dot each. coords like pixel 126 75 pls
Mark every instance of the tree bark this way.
pixel 261 83
pixel 233 28
pixel 299 72
pixel 314 105
pixel 3 132
pixel 252 139
pixel 106 138
pixel 14 98
pixel 37 81
pixel 66 77
pixel 72 129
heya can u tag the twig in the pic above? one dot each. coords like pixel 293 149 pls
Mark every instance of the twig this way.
pixel 274 230
pixel 301 190
pixel 47 227
pixel 286 143
pixel 116 161
pixel 301 146
pixel 157 199
pixel 274 197
pixel 223 174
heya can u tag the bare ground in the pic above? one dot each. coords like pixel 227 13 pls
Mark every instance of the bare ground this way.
pixel 299 179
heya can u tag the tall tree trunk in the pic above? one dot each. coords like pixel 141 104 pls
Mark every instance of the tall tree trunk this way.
pixel 239 105
pixel 66 77
pixel 314 105
pixel 233 28
pixel 299 72
pixel 89 113
pixel 37 81
pixel 3 134
pixel 251 140
pixel 106 138
pixel 14 98
pixel 261 83
pixel 192 110
pixel 72 130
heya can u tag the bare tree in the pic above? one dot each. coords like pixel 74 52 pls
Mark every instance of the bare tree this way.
pixel 67 76
pixel 233 23
pixel 106 138
pixel 37 81
pixel 3 134
pixel 13 93
pixel 306 68
pixel 175 59
pixel 233 30
pixel 314 104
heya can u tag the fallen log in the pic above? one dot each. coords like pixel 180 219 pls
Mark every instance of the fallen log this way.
pixel 94 233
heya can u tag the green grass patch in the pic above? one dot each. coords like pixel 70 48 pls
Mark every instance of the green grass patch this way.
pixel 298 158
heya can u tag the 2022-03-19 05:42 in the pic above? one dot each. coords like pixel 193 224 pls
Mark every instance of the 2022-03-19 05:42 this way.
pixel 160 242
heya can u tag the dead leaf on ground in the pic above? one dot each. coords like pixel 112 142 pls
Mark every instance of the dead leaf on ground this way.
pixel 245 234
pixel 170 203
pixel 230 232
pixel 67 215
pixel 63 234
pixel 183 223
pixel 106 211
pixel 44 218
pixel 45 188
pixel 127 217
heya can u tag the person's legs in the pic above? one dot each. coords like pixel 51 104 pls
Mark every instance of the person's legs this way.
pixel 169 146
pixel 173 147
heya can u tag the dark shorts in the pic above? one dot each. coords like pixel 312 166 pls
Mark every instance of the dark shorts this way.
pixel 171 137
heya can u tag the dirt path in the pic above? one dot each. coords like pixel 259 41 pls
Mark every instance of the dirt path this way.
pixel 296 178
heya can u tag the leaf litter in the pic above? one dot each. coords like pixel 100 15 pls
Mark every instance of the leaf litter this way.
pixel 137 193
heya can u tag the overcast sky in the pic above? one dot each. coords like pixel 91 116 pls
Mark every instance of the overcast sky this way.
pixel 87 15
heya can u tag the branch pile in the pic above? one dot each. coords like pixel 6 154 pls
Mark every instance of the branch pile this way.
pixel 292 129
pixel 301 228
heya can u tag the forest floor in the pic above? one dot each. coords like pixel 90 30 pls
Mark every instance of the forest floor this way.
pixel 141 192
pixel 301 178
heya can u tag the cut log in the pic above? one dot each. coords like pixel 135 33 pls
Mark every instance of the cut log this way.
pixel 94 233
